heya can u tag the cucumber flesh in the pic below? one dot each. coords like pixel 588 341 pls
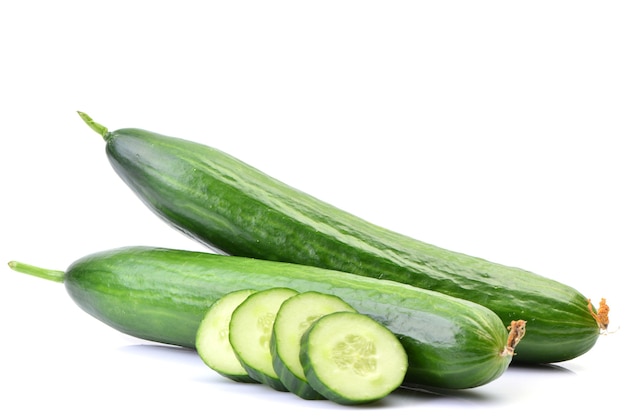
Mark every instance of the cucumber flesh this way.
pixel 294 317
pixel 212 340
pixel 250 332
pixel 350 358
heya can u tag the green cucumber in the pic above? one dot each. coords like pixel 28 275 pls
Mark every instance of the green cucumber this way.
pixel 163 294
pixel 212 339
pixel 234 208
pixel 351 359
pixel 292 320
pixel 251 330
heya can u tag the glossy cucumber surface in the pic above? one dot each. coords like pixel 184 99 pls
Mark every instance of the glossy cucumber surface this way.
pixel 236 209
pixel 163 294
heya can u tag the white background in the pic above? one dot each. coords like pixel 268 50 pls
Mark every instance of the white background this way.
pixel 490 128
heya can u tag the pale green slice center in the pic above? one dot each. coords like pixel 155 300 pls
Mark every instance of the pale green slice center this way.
pixel 264 326
pixel 357 353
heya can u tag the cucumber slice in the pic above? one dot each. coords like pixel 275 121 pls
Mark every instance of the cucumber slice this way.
pixel 294 317
pixel 350 358
pixel 212 341
pixel 251 330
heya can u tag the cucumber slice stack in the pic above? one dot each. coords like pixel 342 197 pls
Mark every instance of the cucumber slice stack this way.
pixel 311 344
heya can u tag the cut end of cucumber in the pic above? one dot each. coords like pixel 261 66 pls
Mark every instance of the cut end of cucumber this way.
pixel 352 359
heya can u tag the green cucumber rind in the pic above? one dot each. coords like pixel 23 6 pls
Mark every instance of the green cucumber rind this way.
pixel 162 295
pixel 236 209
pixel 294 384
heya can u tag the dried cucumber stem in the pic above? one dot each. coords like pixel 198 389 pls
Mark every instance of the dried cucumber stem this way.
pixel 602 315
pixel 517 330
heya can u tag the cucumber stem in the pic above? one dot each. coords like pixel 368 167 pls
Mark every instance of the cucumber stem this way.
pixel 49 274
pixel 97 127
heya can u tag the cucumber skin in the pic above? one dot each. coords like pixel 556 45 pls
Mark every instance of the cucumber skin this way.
pixel 237 209
pixel 162 295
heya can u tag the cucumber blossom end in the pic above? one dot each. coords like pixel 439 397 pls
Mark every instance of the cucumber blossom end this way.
pixel 517 330
pixel 601 316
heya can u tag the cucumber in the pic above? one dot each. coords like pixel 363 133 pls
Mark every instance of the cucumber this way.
pixel 212 339
pixel 163 294
pixel 351 359
pixel 251 330
pixel 294 318
pixel 236 209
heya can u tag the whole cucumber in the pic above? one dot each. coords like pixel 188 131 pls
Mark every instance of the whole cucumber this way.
pixel 163 294
pixel 236 209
